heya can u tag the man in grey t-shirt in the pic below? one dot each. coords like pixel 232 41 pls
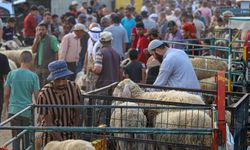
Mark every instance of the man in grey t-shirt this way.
pixel 120 38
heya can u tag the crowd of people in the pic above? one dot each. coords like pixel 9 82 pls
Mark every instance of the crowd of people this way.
pixel 108 47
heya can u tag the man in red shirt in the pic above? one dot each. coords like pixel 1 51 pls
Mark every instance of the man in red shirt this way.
pixel 30 26
pixel 142 43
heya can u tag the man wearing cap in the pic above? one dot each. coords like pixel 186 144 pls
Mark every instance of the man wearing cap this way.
pixel 174 34
pixel 70 47
pixel 176 69
pixel 59 91
pixel 107 67
pixel 107 62
pixel 46 47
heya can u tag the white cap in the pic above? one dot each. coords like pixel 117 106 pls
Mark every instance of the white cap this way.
pixel 74 3
pixel 154 44
pixel 106 36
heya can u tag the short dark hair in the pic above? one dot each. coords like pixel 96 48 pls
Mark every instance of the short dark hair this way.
pixel 25 57
pixel 47 13
pixel 55 16
pixel 43 25
pixel 115 18
pixel 33 8
pixel 154 32
pixel 133 54
pixel 11 20
pixel 139 25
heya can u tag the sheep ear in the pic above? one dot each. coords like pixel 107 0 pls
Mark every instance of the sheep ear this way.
pixel 126 91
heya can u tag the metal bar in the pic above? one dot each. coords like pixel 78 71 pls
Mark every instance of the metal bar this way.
pixel 103 88
pixel 15 138
pixel 193 131
pixel 17 114
pixel 132 107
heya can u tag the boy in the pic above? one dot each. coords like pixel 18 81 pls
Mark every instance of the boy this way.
pixel 134 70
pixel 142 42
pixel 9 30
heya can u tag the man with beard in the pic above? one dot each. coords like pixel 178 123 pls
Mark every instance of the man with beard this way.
pixel 176 69
pixel 46 47
pixel 59 91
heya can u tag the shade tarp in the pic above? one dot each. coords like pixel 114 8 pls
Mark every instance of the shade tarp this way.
pixel 241 23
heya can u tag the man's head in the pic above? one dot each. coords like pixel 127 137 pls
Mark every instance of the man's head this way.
pixel 106 37
pixel 55 18
pixel 133 54
pixel 172 27
pixel 144 14
pixel 11 22
pixel 153 34
pixel 42 29
pixel 47 17
pixel 58 74
pixel 104 22
pixel 79 30
pixel 26 58
pixel 82 18
pixel 188 31
pixel 128 12
pixel 115 18
pixel 157 48
pixel 34 10
pixel 140 28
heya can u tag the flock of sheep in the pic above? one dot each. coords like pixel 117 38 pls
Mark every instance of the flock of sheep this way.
pixel 157 118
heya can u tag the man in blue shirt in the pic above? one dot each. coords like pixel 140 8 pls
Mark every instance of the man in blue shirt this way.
pixel 9 30
pixel 128 22
pixel 176 69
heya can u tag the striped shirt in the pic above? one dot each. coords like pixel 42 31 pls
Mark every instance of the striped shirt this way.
pixel 59 116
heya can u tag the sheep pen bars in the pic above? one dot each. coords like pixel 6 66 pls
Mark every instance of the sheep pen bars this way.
pixel 132 123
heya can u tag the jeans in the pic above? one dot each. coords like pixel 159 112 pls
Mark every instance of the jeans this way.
pixel 20 121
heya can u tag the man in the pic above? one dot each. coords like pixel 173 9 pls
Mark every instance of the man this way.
pixel 47 20
pixel 30 26
pixel 70 48
pixel 128 21
pixel 148 23
pixel 174 34
pixel 176 69
pixel 19 87
pixel 162 24
pixel 59 91
pixel 120 38
pixel 142 43
pixel 46 47
pixel 206 12
pixel 107 62
pixel 107 67
pixel 5 69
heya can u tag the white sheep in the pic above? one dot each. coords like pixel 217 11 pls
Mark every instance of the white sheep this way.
pixel 69 145
pixel 12 64
pixel 183 119
pixel 128 117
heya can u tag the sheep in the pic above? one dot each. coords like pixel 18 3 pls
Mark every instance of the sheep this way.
pixel 80 80
pixel 69 145
pixel 14 55
pixel 183 119
pixel 12 64
pixel 208 63
pixel 128 117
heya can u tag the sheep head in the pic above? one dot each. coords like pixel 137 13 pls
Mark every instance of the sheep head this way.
pixel 127 88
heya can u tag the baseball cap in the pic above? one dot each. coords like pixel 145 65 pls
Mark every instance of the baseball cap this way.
pixel 154 44
pixel 106 36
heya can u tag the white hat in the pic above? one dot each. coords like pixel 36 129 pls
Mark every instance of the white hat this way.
pixel 74 3
pixel 154 44
pixel 80 26
pixel 94 33
pixel 106 36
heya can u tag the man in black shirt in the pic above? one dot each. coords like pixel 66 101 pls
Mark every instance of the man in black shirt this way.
pixel 9 30
pixel 5 69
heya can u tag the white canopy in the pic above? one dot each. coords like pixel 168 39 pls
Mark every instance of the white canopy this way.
pixel 241 23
